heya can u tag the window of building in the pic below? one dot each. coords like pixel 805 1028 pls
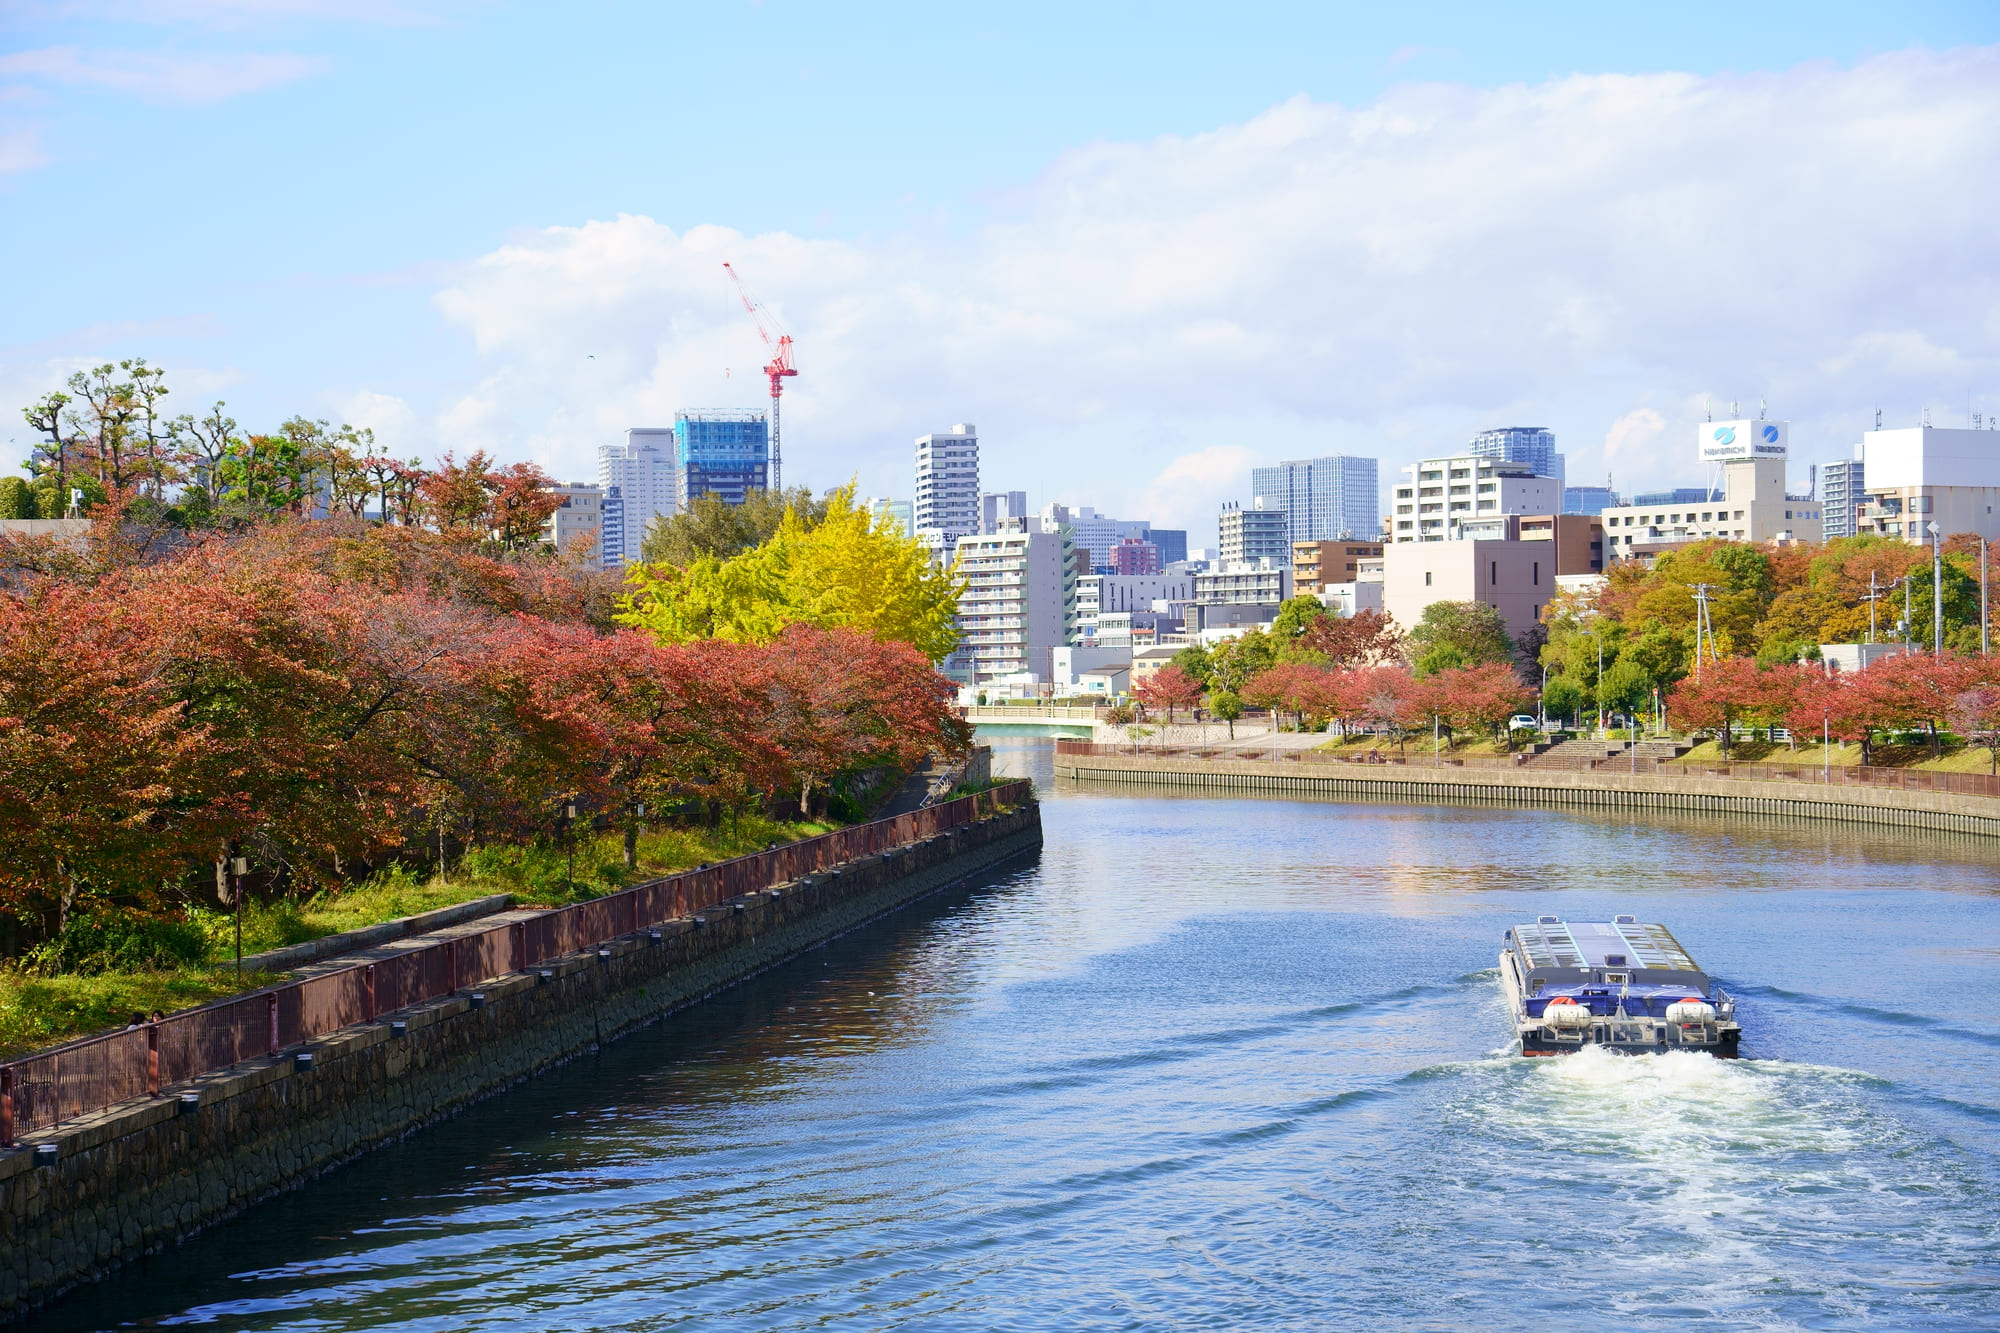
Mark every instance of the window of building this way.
pixel 1427 578
pixel 1538 573
pixel 1493 573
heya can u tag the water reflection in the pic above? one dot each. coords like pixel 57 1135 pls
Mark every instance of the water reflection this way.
pixel 1228 1063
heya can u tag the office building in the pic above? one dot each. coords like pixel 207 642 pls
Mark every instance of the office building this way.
pixel 1920 475
pixel 1172 543
pixel 1100 595
pixel 1259 532
pixel 1841 493
pixel 1323 499
pixel 1752 504
pixel 1019 604
pixel 640 485
pixel 1092 532
pixel 1440 493
pixel 1533 445
pixel 1316 564
pixel 724 454
pixel 996 507
pixel 947 504
pixel 1588 499
pixel 902 513
pixel 578 526
pixel 1133 556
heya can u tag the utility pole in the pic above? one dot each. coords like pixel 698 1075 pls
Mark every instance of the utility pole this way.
pixel 1982 597
pixel 1937 591
pixel 1702 626
pixel 1871 606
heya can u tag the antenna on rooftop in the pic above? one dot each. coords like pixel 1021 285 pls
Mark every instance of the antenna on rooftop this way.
pixel 1762 408
pixel 1878 418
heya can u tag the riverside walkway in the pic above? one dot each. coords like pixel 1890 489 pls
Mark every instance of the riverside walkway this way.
pixel 1946 802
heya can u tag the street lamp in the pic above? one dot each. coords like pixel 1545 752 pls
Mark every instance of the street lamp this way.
pixel 239 867
pixel 1598 688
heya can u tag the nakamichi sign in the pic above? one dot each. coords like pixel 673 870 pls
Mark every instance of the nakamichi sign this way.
pixel 1723 441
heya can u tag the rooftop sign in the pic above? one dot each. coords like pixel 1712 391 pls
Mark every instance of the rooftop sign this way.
pixel 1728 441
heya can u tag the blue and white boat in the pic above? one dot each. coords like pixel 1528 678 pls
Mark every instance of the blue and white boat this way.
pixel 1617 984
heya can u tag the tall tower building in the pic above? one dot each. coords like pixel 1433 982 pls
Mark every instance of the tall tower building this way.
pixel 948 485
pixel 1841 490
pixel 721 453
pixel 1533 445
pixel 1253 534
pixel 639 486
pixel 1324 499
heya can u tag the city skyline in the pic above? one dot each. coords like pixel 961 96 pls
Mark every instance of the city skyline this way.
pixel 539 312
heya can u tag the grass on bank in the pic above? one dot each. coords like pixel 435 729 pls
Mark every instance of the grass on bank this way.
pixel 95 980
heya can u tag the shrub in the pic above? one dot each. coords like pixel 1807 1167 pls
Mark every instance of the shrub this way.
pixel 110 939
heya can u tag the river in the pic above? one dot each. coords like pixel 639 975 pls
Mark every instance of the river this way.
pixel 1222 1063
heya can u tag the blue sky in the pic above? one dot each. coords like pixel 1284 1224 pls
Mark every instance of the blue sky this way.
pixel 1143 247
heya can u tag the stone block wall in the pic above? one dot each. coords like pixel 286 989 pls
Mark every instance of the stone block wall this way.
pixel 147 1174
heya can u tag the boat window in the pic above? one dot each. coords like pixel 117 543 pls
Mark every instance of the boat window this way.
pixel 1617 979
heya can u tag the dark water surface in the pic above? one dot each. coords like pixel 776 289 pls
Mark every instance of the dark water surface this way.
pixel 1226 1064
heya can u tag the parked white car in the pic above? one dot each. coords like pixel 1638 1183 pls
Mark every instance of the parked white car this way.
pixel 1522 720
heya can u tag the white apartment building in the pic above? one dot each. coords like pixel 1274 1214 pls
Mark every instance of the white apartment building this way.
pixel 1114 594
pixel 581 514
pixel 947 503
pixel 1754 507
pixel 1260 532
pixel 639 485
pixel 1919 475
pixel 1440 493
pixel 1263 582
pixel 1841 490
pixel 1018 607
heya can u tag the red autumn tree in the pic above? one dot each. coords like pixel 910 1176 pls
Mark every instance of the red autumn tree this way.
pixel 1728 691
pixel 1169 688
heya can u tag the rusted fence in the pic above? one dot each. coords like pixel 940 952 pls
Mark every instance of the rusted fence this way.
pixel 84 1076
pixel 1906 779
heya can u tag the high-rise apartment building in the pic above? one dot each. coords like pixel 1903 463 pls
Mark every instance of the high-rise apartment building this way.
pixel 1533 445
pixel 947 504
pixel 640 485
pixel 1324 499
pixel 1133 556
pixel 580 517
pixel 726 454
pixel 1260 532
pixel 1019 603
pixel 1841 492
pixel 1441 493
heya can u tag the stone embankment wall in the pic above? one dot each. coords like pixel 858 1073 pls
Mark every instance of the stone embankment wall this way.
pixel 1743 796
pixel 140 1176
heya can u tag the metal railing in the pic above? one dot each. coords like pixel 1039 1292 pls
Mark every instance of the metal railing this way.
pixel 88 1075
pixel 1905 779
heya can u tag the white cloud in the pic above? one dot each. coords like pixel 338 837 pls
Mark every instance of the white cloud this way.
pixel 397 430
pixel 189 77
pixel 1322 277
pixel 20 150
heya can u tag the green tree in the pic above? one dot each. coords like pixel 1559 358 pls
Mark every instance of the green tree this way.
pixel 1296 616
pixel 1458 634
pixel 1563 698
pixel 17 500
pixel 711 526
pixel 1234 661
pixel 1194 660
pixel 1228 706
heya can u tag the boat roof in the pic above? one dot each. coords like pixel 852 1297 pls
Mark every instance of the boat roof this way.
pixel 1625 942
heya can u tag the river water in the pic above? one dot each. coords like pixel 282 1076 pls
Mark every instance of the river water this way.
pixel 1222 1063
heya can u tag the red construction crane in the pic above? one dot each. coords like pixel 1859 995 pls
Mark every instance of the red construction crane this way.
pixel 778 368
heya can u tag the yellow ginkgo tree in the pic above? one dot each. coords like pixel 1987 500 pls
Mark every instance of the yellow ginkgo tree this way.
pixel 851 570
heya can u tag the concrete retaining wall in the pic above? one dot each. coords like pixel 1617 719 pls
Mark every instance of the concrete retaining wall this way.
pixel 1858 805
pixel 143 1175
